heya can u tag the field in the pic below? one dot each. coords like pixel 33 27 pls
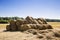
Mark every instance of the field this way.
pixel 17 35
pixel 2 26
pixel 54 24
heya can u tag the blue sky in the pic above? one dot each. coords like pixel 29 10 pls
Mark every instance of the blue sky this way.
pixel 34 8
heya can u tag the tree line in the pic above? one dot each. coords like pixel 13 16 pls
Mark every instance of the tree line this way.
pixel 53 20
pixel 7 19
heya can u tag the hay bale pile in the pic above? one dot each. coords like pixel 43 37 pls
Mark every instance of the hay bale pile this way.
pixel 48 34
pixel 28 23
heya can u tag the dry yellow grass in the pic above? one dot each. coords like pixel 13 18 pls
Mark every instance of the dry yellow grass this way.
pixel 55 24
pixel 3 26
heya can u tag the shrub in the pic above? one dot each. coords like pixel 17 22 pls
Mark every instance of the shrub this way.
pixel 3 21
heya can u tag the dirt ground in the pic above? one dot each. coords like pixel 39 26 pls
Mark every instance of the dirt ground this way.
pixel 17 35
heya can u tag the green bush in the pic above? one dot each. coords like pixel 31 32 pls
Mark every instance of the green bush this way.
pixel 3 21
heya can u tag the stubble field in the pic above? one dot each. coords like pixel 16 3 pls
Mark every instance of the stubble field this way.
pixel 17 35
pixel 54 24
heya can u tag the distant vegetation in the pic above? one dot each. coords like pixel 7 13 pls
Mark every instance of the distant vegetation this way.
pixel 53 20
pixel 7 19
